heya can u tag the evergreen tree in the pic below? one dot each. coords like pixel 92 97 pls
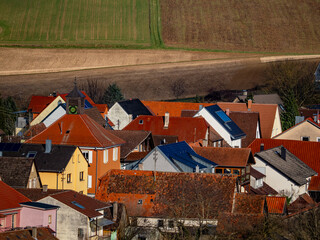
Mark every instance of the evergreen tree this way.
pixel 7 118
pixel 112 95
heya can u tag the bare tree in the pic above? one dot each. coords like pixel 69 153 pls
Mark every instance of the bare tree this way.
pixel 94 89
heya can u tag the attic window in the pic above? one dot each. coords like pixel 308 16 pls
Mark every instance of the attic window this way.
pixel 78 204
pixel 306 139
pixel 140 201
pixel 31 154
pixel 67 131
pixel 140 121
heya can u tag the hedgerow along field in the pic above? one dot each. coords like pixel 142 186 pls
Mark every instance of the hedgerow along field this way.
pixel 80 23
pixel 290 26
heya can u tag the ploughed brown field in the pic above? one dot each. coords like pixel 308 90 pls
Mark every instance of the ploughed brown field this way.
pixel 264 25
pixel 144 74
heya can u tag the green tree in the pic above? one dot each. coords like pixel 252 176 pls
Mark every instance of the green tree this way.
pixel 7 118
pixel 294 82
pixel 112 95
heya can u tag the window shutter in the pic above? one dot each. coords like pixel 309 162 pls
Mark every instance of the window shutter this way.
pixel 105 157
pixel 89 181
pixel 90 157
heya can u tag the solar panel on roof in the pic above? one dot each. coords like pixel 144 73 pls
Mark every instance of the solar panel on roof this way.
pixel 223 116
pixel 78 204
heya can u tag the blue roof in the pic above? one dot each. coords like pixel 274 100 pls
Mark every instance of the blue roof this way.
pixel 40 205
pixel 183 153
pixel 230 126
pixel 87 104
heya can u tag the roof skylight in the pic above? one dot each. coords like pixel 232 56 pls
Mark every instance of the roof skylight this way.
pixel 78 204
pixel 223 116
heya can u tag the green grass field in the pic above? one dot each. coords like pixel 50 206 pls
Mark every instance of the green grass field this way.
pixel 76 22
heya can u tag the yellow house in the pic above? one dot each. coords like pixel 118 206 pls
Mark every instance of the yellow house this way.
pixel 59 166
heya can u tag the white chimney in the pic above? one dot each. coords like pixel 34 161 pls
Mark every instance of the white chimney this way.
pixel 197 169
pixel 44 188
pixel 166 120
pixel 48 146
pixel 130 118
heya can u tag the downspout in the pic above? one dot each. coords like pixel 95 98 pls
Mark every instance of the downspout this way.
pixel 96 182
pixel 57 180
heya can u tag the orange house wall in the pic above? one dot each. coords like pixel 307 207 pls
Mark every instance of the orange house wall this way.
pixel 102 167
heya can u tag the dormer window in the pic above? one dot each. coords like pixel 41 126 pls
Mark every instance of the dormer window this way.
pixel 140 121
pixel 306 139
pixel 31 154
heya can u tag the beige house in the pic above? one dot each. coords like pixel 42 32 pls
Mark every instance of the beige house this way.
pixel 307 130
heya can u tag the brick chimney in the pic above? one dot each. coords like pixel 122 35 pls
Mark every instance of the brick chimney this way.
pixel 227 111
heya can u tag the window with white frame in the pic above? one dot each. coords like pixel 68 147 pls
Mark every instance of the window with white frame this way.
pixel 87 155
pixel 259 182
pixel 115 154
pixel 305 138
pixel 105 156
pixel 318 139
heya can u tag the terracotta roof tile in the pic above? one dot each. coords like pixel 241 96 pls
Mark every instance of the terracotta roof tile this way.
pixel 175 109
pixel 103 108
pixel 132 140
pixel 90 206
pixel 135 156
pixel 267 113
pixel 78 130
pixel 38 103
pixel 249 204
pixel 151 194
pixel 163 139
pixel 277 205
pixel 43 233
pixel 247 122
pixel 35 194
pixel 302 202
pixel 34 130
pixel 10 198
pixel 187 129
pixel 231 157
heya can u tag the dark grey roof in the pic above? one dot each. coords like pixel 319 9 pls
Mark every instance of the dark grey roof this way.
pixel 132 139
pixel 75 93
pixel 15 171
pixel 292 167
pixel 54 161
pixel 39 205
pixel 134 107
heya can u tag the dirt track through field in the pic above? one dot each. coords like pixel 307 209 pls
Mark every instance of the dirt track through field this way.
pixel 140 74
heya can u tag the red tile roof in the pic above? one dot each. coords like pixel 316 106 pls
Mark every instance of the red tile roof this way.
pixel 186 129
pixel 135 156
pixel 249 204
pixel 89 204
pixel 302 202
pixel 247 122
pixel 151 194
pixel 267 114
pixel 43 233
pixel 175 109
pixel 38 103
pixel 103 108
pixel 308 152
pixel 78 130
pixel 10 198
pixel 231 157
pixel 34 130
pixel 277 205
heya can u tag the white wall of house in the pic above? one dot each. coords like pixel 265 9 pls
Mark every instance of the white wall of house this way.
pixel 68 220
pixel 278 181
pixel 118 117
pixel 276 129
pixel 161 165
pixel 218 128
pixel 55 115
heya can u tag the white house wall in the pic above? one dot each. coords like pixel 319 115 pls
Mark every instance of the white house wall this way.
pixel 218 128
pixel 162 163
pixel 68 220
pixel 118 116
pixel 278 181
pixel 54 116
